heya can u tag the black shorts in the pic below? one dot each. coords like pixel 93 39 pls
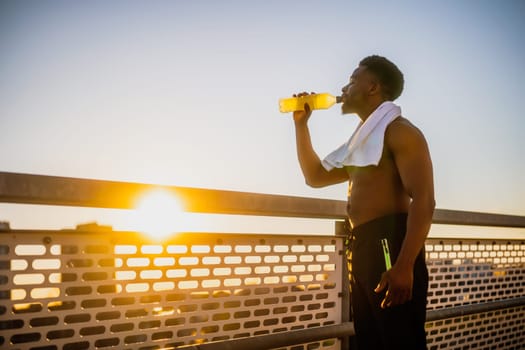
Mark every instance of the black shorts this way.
pixel 398 327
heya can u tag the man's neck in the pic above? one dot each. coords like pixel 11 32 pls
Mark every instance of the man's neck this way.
pixel 368 110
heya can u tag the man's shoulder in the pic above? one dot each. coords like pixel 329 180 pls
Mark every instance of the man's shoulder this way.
pixel 402 131
pixel 401 122
pixel 401 125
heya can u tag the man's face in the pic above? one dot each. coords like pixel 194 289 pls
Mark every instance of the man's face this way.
pixel 356 92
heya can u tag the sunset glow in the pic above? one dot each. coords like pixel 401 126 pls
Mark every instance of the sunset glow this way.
pixel 158 214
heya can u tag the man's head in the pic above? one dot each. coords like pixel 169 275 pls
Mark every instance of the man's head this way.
pixel 387 74
pixel 375 80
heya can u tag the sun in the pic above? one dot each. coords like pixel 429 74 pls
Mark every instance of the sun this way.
pixel 159 213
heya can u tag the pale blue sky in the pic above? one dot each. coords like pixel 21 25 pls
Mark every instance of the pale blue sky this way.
pixel 185 92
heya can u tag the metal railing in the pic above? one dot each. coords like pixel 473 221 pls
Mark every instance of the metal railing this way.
pixel 230 291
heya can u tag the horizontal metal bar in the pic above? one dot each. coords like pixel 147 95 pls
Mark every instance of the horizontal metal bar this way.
pixel 455 217
pixel 458 311
pixel 277 340
pixel 66 191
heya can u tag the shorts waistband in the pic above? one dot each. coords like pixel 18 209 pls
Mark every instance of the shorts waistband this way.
pixel 394 222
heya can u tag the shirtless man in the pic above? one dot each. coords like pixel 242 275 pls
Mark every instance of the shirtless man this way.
pixel 393 200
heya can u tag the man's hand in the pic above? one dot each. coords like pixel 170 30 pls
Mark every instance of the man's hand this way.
pixel 399 280
pixel 302 116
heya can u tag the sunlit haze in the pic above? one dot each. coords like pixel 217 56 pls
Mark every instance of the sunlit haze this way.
pixel 185 93
pixel 158 214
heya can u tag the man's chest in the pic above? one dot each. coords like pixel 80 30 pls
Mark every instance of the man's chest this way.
pixel 370 177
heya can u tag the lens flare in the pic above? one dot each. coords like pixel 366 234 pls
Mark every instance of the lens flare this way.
pixel 159 214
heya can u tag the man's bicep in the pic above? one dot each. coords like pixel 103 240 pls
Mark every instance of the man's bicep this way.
pixel 417 173
pixel 330 177
pixel 338 175
pixel 413 161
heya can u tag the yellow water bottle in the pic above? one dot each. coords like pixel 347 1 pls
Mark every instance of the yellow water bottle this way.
pixel 315 101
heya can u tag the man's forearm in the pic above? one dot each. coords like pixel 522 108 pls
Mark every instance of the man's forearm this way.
pixel 308 159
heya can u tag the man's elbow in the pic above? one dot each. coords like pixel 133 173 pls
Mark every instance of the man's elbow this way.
pixel 427 201
pixel 314 183
pixel 430 203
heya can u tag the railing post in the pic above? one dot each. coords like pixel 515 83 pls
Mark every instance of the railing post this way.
pixel 342 228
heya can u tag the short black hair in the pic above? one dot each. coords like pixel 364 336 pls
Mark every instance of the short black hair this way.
pixel 390 77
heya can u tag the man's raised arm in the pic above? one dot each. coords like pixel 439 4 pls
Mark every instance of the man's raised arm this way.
pixel 314 173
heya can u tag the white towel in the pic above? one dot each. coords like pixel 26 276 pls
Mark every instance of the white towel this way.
pixel 365 146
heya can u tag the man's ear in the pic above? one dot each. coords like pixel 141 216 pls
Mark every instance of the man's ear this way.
pixel 375 88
